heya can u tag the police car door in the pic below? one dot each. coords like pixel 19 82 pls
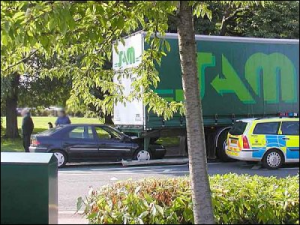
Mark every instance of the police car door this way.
pixel 289 134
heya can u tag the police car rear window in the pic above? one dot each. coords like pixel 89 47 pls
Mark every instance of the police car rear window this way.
pixel 266 128
pixel 238 128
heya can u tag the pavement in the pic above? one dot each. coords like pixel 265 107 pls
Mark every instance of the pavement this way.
pixel 76 180
pixel 70 217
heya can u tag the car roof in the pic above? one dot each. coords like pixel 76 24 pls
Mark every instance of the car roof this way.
pixel 278 119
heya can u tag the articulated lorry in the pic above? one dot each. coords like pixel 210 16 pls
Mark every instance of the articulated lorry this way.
pixel 238 78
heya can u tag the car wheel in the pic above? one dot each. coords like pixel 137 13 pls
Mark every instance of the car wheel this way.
pixel 273 159
pixel 141 155
pixel 61 158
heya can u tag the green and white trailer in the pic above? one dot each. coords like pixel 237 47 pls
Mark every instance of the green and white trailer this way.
pixel 238 78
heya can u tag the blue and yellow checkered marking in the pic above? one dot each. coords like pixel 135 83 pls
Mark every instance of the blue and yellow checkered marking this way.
pixel 276 141
pixel 292 153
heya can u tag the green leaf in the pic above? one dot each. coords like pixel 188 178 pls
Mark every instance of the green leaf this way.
pixel 168 47
pixel 51 24
pixel 29 32
pixel 44 41
pixel 4 39
pixel 92 215
pixel 143 214
pixel 88 11
pixel 120 23
pixel 160 209
pixel 6 26
pixel 72 23
pixel 79 203
pixel 18 15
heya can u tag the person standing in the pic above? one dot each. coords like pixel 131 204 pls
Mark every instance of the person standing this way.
pixel 27 128
pixel 62 118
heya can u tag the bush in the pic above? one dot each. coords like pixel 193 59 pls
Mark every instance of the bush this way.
pixel 236 199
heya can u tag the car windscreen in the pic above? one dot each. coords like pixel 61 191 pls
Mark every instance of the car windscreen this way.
pixel 119 132
pixel 115 133
pixel 238 128
pixel 49 131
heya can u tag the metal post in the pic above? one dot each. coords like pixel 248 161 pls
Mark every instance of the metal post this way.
pixel 182 146
pixel 146 143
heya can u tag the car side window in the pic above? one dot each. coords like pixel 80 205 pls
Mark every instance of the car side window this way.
pixel 266 128
pixel 290 128
pixel 79 133
pixel 101 133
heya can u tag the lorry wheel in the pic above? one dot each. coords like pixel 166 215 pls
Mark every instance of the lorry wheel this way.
pixel 221 154
pixel 273 159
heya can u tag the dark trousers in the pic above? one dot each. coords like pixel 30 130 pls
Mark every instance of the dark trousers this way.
pixel 26 142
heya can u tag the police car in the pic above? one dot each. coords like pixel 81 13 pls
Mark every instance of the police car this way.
pixel 273 141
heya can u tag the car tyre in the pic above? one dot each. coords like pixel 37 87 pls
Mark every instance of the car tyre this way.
pixel 142 154
pixel 61 158
pixel 273 159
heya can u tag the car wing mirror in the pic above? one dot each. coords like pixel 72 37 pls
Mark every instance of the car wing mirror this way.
pixel 125 139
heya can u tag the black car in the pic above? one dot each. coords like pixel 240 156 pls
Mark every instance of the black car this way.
pixel 90 142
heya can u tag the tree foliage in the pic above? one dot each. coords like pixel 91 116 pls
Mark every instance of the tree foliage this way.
pixel 278 19
pixel 36 89
pixel 84 33
pixel 81 34
pixel 253 20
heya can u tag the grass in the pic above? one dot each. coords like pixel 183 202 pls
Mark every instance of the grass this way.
pixel 40 124
pixel 169 141
pixel 11 145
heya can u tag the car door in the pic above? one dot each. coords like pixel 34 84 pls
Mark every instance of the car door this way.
pixel 289 136
pixel 81 144
pixel 111 145
pixel 263 137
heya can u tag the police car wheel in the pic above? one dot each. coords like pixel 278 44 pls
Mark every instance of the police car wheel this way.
pixel 273 159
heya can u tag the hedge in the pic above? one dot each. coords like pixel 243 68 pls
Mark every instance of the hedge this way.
pixel 237 199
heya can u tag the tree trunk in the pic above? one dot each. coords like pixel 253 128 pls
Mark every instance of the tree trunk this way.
pixel 201 194
pixel 11 109
pixel 108 119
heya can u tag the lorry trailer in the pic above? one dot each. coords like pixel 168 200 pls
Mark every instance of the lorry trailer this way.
pixel 238 77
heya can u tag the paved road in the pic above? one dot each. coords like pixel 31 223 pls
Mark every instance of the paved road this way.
pixel 74 181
